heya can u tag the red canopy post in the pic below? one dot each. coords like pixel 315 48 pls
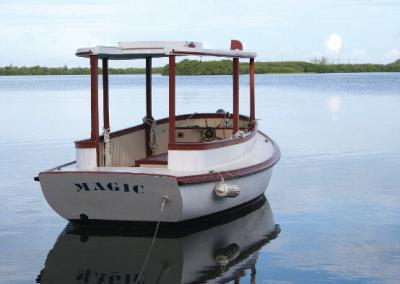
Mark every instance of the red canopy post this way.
pixel 253 274
pixel 252 97
pixel 172 99
pixel 149 115
pixel 94 71
pixel 235 95
pixel 106 103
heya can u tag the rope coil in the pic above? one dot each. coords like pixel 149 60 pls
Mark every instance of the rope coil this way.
pixel 153 139
pixel 107 148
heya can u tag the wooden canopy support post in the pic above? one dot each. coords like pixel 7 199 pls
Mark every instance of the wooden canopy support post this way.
pixel 94 102
pixel 253 274
pixel 106 103
pixel 252 97
pixel 149 114
pixel 172 99
pixel 235 95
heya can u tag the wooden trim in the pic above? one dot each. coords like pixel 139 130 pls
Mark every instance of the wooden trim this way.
pixel 235 77
pixel 203 127
pixel 138 163
pixel 94 91
pixel 106 112
pixel 161 159
pixel 213 144
pixel 209 177
pixel 85 144
pixel 252 93
pixel 205 115
pixel 172 99
pixel 149 113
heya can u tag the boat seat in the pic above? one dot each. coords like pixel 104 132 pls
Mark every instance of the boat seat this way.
pixel 153 160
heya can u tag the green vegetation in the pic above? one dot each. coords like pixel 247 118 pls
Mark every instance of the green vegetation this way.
pixel 39 70
pixel 223 67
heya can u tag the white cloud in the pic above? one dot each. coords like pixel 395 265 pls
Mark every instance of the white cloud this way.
pixel 392 54
pixel 333 43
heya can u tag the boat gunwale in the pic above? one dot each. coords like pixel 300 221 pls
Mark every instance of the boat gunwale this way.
pixel 197 178
pixel 88 143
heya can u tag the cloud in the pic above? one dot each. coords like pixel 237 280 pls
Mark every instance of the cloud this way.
pixel 333 43
pixel 392 54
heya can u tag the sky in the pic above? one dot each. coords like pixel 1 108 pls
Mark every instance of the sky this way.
pixel 48 32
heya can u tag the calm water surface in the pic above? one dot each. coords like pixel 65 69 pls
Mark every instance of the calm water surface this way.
pixel 335 192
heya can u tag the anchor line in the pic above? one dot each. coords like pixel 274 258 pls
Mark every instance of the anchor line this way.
pixel 224 172
pixel 164 200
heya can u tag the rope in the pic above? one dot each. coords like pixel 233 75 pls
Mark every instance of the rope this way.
pixel 107 148
pixel 164 200
pixel 153 141
pixel 226 173
pixel 240 134
pixel 222 178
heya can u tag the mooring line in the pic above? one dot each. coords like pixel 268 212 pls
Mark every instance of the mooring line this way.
pixel 164 200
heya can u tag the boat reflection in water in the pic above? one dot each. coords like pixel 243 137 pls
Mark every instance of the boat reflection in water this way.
pixel 221 252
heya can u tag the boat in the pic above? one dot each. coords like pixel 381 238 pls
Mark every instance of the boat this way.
pixel 173 169
pixel 223 252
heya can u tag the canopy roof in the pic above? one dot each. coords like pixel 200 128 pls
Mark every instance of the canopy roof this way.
pixel 143 49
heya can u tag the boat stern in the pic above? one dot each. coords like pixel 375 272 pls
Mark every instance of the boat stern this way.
pixel 114 196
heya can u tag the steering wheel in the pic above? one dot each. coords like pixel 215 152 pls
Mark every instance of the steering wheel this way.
pixel 208 134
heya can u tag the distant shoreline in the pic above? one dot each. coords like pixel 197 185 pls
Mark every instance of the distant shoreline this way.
pixel 223 67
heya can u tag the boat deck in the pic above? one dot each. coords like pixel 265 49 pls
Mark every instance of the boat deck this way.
pixel 153 160
pixel 262 151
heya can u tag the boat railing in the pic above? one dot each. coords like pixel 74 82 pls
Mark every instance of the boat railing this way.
pixel 129 145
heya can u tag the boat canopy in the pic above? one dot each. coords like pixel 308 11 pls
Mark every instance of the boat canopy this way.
pixel 145 49
pixel 171 49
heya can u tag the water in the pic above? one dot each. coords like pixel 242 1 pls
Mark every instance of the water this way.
pixel 335 192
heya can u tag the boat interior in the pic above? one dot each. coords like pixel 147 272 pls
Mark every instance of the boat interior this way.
pixel 165 143
pixel 130 148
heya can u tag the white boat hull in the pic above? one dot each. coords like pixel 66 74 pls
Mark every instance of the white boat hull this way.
pixel 118 196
